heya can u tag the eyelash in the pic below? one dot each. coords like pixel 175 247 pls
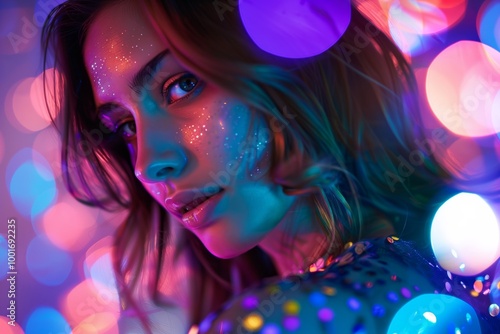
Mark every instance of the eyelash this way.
pixel 170 83
pixel 175 80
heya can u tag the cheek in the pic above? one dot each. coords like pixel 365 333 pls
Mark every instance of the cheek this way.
pixel 219 131
pixel 223 131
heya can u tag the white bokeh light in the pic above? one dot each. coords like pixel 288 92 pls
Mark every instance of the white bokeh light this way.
pixel 465 235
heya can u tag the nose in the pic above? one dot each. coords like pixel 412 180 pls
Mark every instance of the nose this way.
pixel 160 164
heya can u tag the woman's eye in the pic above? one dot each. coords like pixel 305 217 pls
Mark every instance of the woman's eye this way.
pixel 126 130
pixel 179 87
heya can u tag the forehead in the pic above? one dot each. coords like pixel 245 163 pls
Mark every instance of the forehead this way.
pixel 120 40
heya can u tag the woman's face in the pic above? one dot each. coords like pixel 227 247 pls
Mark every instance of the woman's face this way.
pixel 194 145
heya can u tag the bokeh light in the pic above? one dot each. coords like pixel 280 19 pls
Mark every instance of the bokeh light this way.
pixel 44 318
pixel 488 23
pixel 435 313
pixel 470 160
pixel 461 85
pixel 23 108
pixel 5 328
pixel 465 235
pixel 98 266
pixel 46 263
pixel 47 143
pixel 69 225
pixel 424 17
pixel 495 118
pixel 87 300
pixel 37 95
pixel 31 182
pixel 295 28
pixel 103 323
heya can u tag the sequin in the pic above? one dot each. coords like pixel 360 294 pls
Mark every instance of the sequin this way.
pixel 250 302
pixel 253 322
pixel 271 329
pixel 447 286
pixel 205 324
pixel 291 307
pixel 359 328
pixel 353 304
pixel 478 286
pixel 392 297
pixel 325 314
pixel 225 327
pixel 494 310
pixel 405 293
pixel 378 310
pixel 317 299
pixel 327 290
pixel 291 323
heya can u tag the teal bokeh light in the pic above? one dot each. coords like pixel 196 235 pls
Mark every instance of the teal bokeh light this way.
pixel 31 183
pixel 435 314
pixel 46 320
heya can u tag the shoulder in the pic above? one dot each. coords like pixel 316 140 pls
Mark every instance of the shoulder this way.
pixel 375 286
pixel 359 291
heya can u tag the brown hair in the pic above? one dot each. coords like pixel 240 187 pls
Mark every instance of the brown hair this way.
pixel 353 111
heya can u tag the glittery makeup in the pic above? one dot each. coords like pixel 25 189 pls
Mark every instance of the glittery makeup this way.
pixel 187 135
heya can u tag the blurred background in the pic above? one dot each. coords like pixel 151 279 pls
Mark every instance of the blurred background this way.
pixel 62 265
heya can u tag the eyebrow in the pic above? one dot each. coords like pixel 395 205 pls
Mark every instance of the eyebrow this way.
pixel 143 76
pixel 146 72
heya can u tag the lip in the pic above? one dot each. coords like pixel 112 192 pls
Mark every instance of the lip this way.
pixel 196 216
pixel 199 216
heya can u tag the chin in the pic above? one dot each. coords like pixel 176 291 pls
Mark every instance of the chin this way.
pixel 225 245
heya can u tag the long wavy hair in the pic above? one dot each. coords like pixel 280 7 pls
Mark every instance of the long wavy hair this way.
pixel 348 121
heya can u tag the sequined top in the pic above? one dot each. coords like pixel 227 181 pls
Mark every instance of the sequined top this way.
pixel 375 286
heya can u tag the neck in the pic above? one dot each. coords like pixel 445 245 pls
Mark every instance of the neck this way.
pixel 296 242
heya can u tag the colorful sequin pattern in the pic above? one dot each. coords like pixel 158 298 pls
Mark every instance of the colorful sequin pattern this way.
pixel 373 287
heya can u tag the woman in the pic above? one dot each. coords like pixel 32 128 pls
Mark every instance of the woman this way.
pixel 263 165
